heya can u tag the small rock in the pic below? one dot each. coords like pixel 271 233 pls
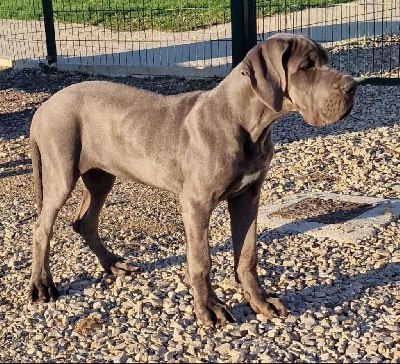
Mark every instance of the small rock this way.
pixel 352 352
pixel 223 349
pixel 237 356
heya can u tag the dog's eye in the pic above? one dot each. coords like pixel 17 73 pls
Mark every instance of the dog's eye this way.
pixel 307 64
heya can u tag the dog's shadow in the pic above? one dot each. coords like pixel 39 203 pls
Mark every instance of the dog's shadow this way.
pixel 346 288
pixel 15 167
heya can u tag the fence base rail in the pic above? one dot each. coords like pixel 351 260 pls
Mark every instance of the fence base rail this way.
pixel 144 71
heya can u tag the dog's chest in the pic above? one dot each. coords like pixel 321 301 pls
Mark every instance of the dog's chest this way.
pixel 248 179
pixel 256 160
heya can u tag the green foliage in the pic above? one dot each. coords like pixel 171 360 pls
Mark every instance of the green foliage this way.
pixel 172 15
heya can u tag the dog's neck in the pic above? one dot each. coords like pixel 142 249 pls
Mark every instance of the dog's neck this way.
pixel 253 115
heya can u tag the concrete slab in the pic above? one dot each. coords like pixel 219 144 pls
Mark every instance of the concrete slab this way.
pixel 5 63
pixel 381 212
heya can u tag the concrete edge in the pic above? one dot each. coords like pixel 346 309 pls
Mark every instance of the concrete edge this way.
pixel 125 71
pixel 6 63
pixel 27 63
pixel 350 231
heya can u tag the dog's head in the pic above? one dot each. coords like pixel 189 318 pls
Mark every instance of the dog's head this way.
pixel 295 68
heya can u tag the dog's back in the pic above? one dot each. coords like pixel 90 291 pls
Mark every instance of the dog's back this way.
pixel 104 125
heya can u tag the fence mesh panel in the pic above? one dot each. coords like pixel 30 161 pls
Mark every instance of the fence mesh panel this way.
pixel 22 33
pixel 362 37
pixel 143 33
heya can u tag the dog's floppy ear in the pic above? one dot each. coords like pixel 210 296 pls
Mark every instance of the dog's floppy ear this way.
pixel 265 65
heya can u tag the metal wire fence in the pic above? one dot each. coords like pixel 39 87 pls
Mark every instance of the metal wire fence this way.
pixel 144 33
pixel 21 38
pixel 194 37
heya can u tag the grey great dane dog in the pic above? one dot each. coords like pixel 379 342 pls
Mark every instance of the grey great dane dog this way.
pixel 204 146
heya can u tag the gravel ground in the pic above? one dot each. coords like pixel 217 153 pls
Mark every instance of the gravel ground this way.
pixel 344 297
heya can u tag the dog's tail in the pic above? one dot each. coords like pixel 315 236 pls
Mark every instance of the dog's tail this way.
pixel 37 174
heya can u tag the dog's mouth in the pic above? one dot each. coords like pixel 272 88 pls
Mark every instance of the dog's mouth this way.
pixel 323 119
pixel 347 112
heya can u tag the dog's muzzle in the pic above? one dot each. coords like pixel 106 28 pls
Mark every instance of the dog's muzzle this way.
pixel 349 89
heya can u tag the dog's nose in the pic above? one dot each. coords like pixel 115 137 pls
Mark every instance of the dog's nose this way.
pixel 350 86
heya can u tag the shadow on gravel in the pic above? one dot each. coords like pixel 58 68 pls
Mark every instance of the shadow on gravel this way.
pixel 77 286
pixel 15 124
pixel 15 168
pixel 343 289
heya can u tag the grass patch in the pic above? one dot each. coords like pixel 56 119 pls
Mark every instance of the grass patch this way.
pixel 132 15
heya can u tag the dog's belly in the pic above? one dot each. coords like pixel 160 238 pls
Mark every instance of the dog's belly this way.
pixel 165 175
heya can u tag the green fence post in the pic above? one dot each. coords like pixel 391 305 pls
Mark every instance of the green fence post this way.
pixel 244 28
pixel 49 30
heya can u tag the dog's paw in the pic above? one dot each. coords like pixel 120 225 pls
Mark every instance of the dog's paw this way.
pixel 269 307
pixel 213 313
pixel 116 265
pixel 123 268
pixel 40 292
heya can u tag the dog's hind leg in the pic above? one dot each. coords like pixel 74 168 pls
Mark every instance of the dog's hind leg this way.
pixel 42 288
pixel 98 184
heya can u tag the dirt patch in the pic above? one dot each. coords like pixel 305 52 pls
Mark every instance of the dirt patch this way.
pixel 84 325
pixel 324 211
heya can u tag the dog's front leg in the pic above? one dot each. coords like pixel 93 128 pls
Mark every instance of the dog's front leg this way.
pixel 243 211
pixel 208 308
